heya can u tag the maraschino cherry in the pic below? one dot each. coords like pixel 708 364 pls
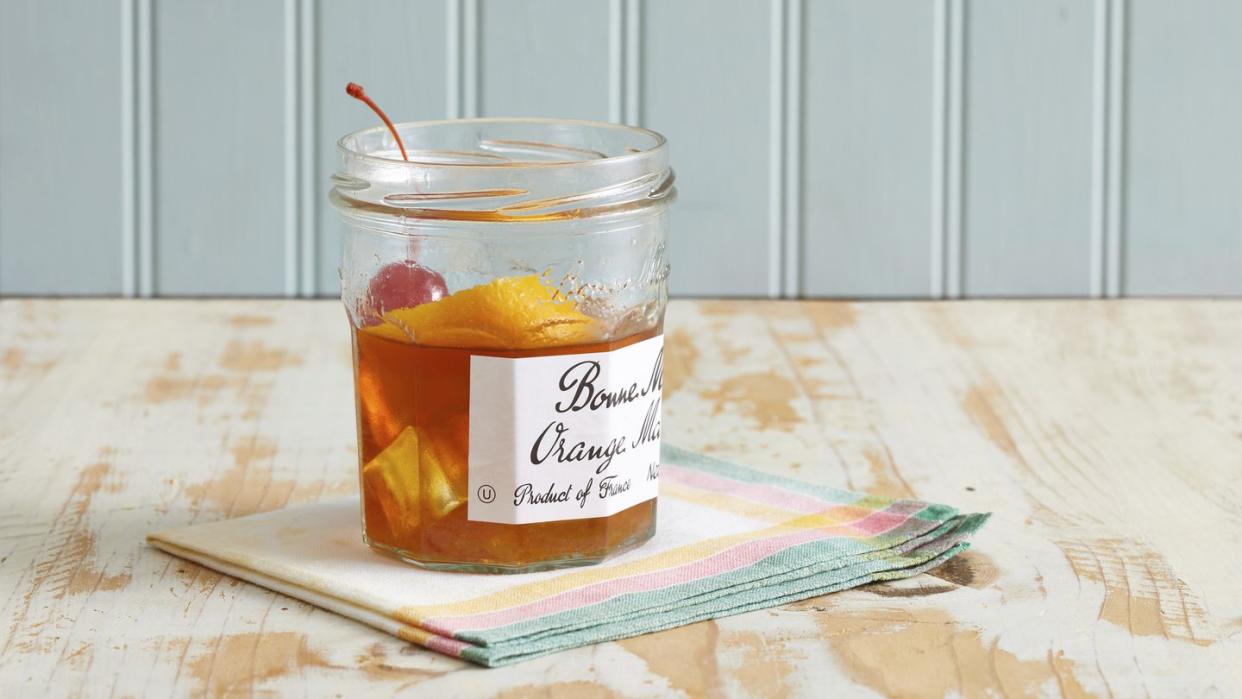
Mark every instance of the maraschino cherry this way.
pixel 398 284
pixel 402 285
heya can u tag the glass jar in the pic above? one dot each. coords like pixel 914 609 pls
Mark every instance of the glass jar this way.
pixel 506 289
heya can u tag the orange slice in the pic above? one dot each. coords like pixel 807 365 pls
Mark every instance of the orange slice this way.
pixel 506 313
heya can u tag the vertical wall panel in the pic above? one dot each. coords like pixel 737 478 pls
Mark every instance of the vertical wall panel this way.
pixel 544 58
pixel 868 148
pixel 1183 196
pixel 219 147
pixel 865 165
pixel 60 153
pixel 1027 213
pixel 713 105
pixel 397 50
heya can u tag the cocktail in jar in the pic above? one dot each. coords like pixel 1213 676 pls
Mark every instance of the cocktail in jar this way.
pixel 506 288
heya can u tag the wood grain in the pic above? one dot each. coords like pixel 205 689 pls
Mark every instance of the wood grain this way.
pixel 1104 435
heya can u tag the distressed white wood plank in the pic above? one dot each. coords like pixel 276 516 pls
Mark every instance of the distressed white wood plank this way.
pixel 219 147
pixel 1102 434
pixel 1183 213
pixel 713 105
pixel 60 148
pixel 1027 199
pixel 868 140
pixel 547 58
pixel 397 51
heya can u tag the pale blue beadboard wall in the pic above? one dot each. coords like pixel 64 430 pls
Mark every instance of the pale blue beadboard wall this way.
pixel 824 148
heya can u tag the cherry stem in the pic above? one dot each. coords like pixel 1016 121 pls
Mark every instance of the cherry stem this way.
pixel 355 90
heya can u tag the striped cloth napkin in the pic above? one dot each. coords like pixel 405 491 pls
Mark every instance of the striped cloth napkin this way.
pixel 729 540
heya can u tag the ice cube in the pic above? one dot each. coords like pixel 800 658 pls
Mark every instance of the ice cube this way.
pixel 391 479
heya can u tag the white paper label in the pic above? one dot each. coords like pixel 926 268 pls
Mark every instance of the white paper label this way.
pixel 567 436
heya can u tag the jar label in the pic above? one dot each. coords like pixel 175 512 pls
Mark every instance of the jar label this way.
pixel 568 436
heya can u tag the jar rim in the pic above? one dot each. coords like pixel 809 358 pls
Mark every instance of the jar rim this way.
pixel 660 143
pixel 502 169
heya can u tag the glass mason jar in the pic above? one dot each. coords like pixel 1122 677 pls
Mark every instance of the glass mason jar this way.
pixel 506 289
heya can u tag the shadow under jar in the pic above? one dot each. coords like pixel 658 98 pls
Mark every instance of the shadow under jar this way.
pixel 506 289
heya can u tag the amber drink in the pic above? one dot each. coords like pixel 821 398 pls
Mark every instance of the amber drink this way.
pixel 506 287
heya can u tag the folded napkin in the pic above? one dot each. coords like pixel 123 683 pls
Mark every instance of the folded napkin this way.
pixel 729 540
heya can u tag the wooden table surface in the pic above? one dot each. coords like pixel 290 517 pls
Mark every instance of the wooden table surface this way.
pixel 1105 436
